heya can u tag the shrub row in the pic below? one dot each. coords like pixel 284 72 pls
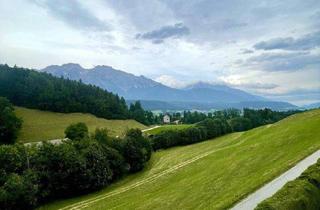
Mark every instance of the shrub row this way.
pixel 31 175
pixel 299 194
pixel 206 129
pixel 219 124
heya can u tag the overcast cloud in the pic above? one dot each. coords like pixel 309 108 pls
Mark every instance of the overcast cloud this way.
pixel 270 48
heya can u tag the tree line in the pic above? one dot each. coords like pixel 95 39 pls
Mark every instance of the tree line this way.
pixel 217 124
pixel 32 175
pixel 39 90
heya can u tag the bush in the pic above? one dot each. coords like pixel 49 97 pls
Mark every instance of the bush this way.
pixel 215 127
pixel 136 150
pixel 19 191
pixel 101 135
pixel 77 131
pixel 170 138
pixel 13 159
pixel 10 124
pixel 61 170
pixel 33 175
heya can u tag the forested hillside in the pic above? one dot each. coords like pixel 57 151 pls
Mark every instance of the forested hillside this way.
pixel 33 89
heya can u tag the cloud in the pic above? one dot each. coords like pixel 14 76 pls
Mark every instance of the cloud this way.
pixel 265 86
pixel 73 13
pixel 170 81
pixel 247 51
pixel 300 96
pixel 306 42
pixel 165 32
pixel 283 61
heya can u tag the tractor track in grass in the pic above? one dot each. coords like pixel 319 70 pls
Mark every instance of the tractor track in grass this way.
pixel 88 202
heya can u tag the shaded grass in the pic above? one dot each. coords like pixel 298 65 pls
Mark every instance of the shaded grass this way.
pixel 235 165
pixel 44 125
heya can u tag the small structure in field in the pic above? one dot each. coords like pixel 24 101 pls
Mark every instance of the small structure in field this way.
pixel 166 119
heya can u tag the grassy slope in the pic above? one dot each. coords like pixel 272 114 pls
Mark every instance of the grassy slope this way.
pixel 212 174
pixel 42 125
pixel 168 127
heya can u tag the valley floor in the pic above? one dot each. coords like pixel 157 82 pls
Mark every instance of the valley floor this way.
pixel 210 175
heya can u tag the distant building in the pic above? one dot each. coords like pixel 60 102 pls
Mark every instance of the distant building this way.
pixel 176 122
pixel 166 119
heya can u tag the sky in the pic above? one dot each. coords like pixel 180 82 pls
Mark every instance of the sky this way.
pixel 269 48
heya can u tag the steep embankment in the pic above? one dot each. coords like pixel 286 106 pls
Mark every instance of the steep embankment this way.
pixel 213 174
pixel 43 125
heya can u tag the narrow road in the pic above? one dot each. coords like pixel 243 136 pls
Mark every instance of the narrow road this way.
pixel 272 187
pixel 148 129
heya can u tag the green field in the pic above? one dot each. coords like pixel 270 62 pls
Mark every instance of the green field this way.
pixel 43 125
pixel 168 127
pixel 210 175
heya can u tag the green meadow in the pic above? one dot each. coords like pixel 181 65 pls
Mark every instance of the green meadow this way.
pixel 214 174
pixel 44 125
pixel 168 127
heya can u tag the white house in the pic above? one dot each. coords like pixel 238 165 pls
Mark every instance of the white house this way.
pixel 166 119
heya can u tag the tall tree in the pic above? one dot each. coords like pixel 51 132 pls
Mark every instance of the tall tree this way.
pixel 10 124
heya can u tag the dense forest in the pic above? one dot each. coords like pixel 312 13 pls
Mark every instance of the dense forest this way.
pixel 32 89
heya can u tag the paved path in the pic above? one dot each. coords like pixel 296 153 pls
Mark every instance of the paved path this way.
pixel 272 187
pixel 148 129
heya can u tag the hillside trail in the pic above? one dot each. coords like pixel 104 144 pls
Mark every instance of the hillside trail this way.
pixel 86 203
pixel 149 129
pixel 272 187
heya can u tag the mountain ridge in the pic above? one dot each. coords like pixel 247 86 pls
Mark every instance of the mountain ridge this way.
pixel 133 87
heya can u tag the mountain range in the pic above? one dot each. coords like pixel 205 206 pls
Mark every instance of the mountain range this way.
pixel 154 95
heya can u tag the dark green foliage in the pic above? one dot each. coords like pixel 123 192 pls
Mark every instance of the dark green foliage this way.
pixel 240 124
pixel 10 124
pixel 265 116
pixel 19 191
pixel 214 125
pixel 302 193
pixel 101 135
pixel 136 149
pixel 31 175
pixel 139 114
pixel 61 170
pixel 170 138
pixel 193 117
pixel 40 90
pixel 77 131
